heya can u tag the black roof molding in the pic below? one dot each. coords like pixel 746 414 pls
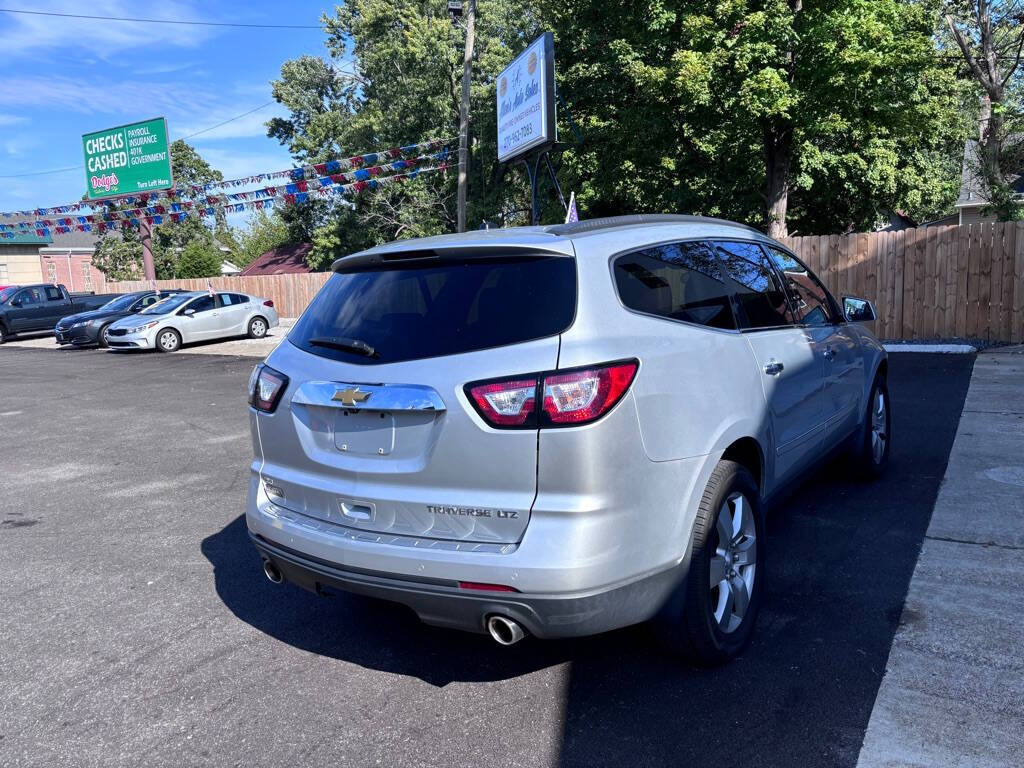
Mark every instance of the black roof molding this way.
pixel 609 222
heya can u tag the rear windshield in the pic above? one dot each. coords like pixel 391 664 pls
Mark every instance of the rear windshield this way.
pixel 407 313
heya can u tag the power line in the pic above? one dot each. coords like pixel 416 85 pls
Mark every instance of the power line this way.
pixel 78 167
pixel 229 120
pixel 161 21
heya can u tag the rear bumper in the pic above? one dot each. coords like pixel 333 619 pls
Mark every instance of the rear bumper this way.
pixel 442 603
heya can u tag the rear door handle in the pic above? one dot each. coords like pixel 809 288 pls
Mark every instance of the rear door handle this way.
pixel 773 367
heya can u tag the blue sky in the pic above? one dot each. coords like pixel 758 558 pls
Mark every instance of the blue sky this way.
pixel 60 78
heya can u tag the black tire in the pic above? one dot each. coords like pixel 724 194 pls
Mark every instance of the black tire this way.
pixel 173 340
pixel 699 621
pixel 870 461
pixel 101 338
pixel 255 325
pixel 5 335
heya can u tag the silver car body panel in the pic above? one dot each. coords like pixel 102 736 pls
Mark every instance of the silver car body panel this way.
pixel 415 491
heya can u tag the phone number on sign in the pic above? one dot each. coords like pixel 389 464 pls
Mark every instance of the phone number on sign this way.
pixel 517 136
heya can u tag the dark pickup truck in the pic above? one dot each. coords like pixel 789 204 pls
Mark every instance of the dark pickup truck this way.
pixel 31 308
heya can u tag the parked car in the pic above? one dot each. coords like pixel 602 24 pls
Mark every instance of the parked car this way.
pixel 559 430
pixel 194 316
pixel 88 328
pixel 29 308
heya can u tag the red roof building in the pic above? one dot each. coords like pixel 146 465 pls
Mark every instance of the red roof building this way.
pixel 286 260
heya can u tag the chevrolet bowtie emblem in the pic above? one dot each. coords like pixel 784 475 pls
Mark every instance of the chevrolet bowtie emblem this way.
pixel 351 396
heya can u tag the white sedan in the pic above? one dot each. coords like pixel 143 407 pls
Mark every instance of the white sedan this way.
pixel 189 317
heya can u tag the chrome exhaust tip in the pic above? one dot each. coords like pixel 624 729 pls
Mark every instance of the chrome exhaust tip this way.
pixel 272 572
pixel 504 631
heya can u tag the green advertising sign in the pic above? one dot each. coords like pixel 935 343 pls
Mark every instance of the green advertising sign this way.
pixel 127 159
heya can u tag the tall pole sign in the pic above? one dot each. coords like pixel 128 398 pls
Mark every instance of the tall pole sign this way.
pixel 128 160
pixel 526 113
pixel 526 101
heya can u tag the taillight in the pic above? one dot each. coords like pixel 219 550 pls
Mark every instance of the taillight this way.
pixel 506 403
pixel 268 303
pixel 266 387
pixel 582 396
pixel 568 398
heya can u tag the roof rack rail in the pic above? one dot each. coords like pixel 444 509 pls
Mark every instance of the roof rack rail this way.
pixel 608 222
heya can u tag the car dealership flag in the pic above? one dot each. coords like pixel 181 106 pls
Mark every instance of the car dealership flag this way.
pixel 572 215
pixel 209 287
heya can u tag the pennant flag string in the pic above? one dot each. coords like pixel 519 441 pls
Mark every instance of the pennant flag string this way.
pixel 180 212
pixel 160 208
pixel 355 163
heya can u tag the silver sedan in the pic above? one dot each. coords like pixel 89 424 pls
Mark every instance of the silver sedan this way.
pixel 189 317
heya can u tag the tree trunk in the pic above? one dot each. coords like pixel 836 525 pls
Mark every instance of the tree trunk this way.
pixel 778 155
pixel 778 150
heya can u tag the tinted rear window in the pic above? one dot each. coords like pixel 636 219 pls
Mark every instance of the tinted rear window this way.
pixel 409 313
pixel 682 281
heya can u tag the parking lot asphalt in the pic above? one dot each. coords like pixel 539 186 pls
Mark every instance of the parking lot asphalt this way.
pixel 136 627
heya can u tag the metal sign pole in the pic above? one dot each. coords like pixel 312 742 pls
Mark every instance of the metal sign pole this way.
pixel 148 267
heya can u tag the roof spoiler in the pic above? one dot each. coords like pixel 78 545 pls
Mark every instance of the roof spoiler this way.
pixel 420 256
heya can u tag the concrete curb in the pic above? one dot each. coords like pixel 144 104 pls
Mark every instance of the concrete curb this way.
pixel 953 691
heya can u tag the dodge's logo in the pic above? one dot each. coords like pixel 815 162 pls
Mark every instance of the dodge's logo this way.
pixel 351 396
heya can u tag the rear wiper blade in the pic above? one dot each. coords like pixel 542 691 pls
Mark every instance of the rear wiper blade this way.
pixel 358 346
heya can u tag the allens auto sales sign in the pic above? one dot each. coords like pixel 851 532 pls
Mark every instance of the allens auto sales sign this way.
pixel 526 100
pixel 127 160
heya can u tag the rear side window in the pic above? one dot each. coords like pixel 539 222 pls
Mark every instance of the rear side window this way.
pixel 760 300
pixel 53 294
pixel 238 298
pixel 414 312
pixel 681 281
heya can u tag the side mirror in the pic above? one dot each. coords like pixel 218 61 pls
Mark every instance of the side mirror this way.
pixel 189 312
pixel 15 302
pixel 858 310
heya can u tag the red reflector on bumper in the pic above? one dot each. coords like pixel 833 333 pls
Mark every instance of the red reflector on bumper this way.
pixel 486 587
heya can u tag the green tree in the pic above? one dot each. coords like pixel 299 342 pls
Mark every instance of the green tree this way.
pixel 769 111
pixel 989 34
pixel 199 259
pixel 119 256
pixel 815 117
pixel 117 249
pixel 170 239
pixel 265 231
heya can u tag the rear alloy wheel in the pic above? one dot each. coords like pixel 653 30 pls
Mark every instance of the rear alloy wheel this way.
pixel 712 621
pixel 168 340
pixel 104 337
pixel 257 328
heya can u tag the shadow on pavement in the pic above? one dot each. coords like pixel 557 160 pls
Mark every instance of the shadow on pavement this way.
pixel 840 557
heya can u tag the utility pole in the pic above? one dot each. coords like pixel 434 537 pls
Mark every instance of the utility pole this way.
pixel 467 73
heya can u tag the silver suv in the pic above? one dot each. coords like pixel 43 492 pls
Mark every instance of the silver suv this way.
pixel 558 430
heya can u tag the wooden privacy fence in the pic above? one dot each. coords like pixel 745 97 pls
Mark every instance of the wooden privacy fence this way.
pixel 290 293
pixel 935 282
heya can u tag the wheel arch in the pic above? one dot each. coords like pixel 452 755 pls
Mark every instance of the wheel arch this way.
pixel 747 452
